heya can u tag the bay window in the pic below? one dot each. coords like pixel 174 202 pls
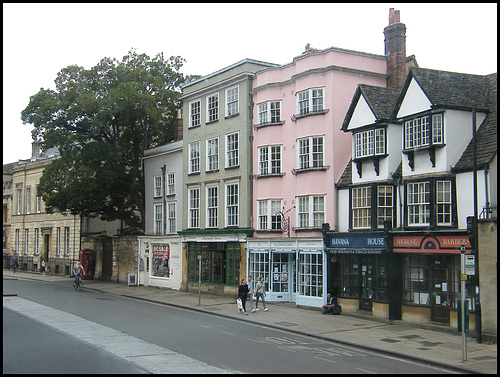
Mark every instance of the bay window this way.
pixel 417 131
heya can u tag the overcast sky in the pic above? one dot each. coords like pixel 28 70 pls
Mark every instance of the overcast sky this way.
pixel 41 39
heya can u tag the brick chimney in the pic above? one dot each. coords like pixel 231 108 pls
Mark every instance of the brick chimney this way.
pixel 395 50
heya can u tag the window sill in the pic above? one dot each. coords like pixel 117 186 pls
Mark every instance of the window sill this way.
pixel 212 171
pixel 269 231
pixel 231 116
pixel 212 121
pixel 273 175
pixel 423 148
pixel 319 168
pixel 193 127
pixel 271 124
pixel 232 167
pixel 312 229
pixel 195 173
pixel 299 116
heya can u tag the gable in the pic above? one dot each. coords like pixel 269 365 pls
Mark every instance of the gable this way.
pixel 414 101
pixel 362 115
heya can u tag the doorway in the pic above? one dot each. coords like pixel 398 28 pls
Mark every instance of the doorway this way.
pixel 283 276
pixel 46 246
pixel 365 302
pixel 441 289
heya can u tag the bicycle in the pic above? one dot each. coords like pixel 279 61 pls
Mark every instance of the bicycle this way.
pixel 78 285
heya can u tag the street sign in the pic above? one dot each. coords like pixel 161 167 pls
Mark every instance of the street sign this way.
pixel 470 262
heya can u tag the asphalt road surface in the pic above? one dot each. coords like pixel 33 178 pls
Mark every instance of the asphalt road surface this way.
pixel 50 328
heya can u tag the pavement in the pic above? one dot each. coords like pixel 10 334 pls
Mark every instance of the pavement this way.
pixel 432 344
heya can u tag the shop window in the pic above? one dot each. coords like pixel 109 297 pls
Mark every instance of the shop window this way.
pixel 416 280
pixel 349 277
pixel 161 260
pixel 259 266
pixel 311 275
pixel 219 262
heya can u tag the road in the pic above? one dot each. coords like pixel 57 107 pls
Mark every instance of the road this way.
pixel 50 328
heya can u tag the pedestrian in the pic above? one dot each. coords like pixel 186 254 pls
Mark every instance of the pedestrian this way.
pixel 250 292
pixel 13 263
pixel 243 294
pixel 43 267
pixel 260 292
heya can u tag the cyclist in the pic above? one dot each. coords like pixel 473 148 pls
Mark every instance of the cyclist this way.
pixel 78 271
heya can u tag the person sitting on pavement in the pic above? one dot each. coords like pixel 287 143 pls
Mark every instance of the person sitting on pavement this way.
pixel 331 303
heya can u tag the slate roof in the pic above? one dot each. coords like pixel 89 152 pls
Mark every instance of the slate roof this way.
pixel 346 177
pixel 380 100
pixel 486 135
pixel 448 89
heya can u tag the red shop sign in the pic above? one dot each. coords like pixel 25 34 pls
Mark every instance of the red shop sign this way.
pixel 161 251
pixel 431 244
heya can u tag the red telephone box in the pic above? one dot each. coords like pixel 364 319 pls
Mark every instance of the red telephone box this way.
pixel 87 261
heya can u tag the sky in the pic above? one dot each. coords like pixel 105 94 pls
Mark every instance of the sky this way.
pixel 41 39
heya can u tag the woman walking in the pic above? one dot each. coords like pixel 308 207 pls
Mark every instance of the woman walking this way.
pixel 243 294
pixel 260 291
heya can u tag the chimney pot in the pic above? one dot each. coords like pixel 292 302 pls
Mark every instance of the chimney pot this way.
pixel 393 16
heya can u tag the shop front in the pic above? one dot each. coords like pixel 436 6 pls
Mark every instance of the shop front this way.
pixel 293 269
pixel 222 256
pixel 359 271
pixel 431 276
pixel 159 261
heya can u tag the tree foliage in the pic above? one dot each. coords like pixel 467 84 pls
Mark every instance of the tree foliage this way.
pixel 101 119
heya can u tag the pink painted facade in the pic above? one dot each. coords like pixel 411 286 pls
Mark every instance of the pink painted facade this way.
pixel 337 72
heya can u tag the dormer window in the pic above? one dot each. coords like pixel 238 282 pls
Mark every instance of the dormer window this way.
pixel 369 143
pixel 417 131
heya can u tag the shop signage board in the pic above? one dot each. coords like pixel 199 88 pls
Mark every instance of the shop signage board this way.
pixel 356 244
pixel 431 244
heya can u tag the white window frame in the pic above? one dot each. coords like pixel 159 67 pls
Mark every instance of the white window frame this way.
pixel 194 207
pixel 67 236
pixel 361 204
pixel 195 113
pixel 158 218
pixel 58 241
pixel 212 207
pixel 369 143
pixel 268 162
pixel 267 114
pixel 418 203
pixel 308 102
pixel 170 183
pixel 157 186
pixel 212 111
pixel 444 203
pixel 19 201
pixel 307 211
pixel 417 131
pixel 26 240
pixel 232 101
pixel 212 155
pixel 38 204
pixel 28 200
pixel 233 155
pixel 232 203
pixel 267 217
pixel 307 156
pixel 310 274
pixel 385 204
pixel 437 129
pixel 194 157
pixel 172 217
pixel 37 241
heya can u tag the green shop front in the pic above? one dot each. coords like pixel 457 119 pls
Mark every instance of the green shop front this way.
pixel 222 255
pixel 361 272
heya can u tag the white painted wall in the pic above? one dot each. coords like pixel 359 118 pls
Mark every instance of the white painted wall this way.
pixel 465 196
pixel 415 101
pixel 362 115
pixel 343 208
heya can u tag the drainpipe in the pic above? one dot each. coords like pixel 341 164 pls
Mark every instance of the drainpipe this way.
pixel 163 171
pixel 487 201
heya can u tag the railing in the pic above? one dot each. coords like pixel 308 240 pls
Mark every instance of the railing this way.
pixel 56 266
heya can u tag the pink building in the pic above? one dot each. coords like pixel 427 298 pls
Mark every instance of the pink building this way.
pixel 299 152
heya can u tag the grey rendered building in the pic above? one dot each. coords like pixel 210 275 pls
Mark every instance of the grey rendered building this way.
pixel 217 192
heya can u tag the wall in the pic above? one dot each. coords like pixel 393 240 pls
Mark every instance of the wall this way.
pixel 125 249
pixel 488 274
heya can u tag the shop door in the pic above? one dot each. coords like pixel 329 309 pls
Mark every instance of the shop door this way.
pixel 283 277
pixel 440 303
pixel 365 303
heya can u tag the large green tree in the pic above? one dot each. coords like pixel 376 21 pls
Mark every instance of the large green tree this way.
pixel 102 119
